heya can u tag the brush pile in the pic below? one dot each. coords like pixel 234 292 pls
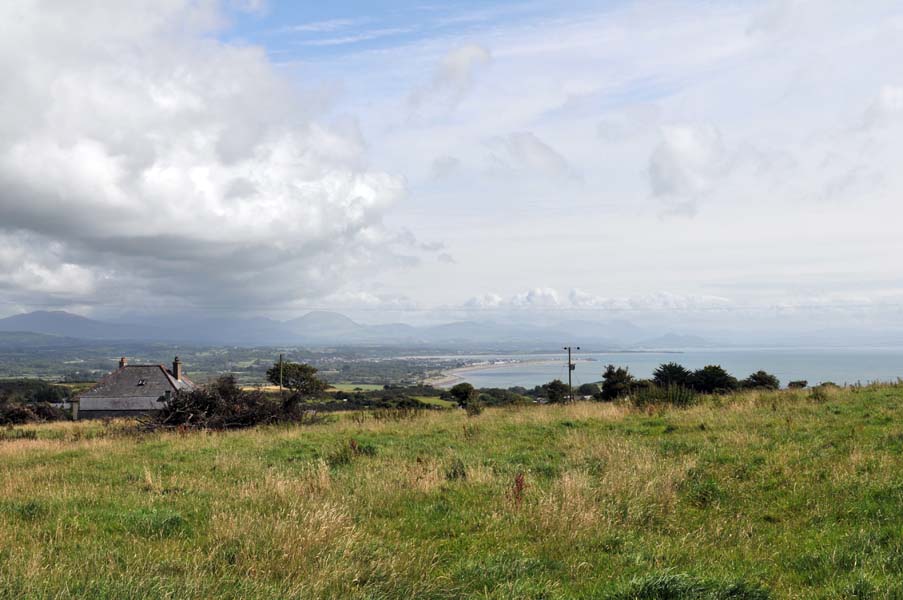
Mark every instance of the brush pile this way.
pixel 18 413
pixel 224 405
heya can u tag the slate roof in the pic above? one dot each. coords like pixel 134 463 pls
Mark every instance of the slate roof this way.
pixel 133 387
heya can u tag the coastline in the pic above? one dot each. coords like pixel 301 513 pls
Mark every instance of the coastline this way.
pixel 452 377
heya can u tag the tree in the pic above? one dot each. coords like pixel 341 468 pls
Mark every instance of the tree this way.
pixel 760 380
pixel 670 374
pixel 557 391
pixel 712 379
pixel 616 382
pixel 300 378
pixel 588 389
pixel 464 394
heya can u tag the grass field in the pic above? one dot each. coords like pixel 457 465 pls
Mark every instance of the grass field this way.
pixel 351 387
pixel 762 495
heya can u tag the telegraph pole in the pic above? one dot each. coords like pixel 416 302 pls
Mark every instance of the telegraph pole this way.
pixel 571 367
pixel 280 372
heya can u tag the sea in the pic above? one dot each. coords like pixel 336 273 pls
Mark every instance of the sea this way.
pixel 838 365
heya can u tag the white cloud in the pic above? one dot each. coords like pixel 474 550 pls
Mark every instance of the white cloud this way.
pixel 544 299
pixel 327 25
pixel 686 161
pixel 173 166
pixel 227 182
pixel 887 106
pixel 364 36
pixel 523 151
pixel 451 80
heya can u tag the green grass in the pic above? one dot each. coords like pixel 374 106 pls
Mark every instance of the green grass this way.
pixel 436 401
pixel 770 495
pixel 352 387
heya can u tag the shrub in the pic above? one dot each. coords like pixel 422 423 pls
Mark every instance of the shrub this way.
pixel 712 379
pixel 760 380
pixel 473 409
pixel 31 390
pixel 670 374
pixel 19 413
pixel 501 397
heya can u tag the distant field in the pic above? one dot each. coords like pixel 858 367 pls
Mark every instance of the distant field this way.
pixel 771 495
pixel 335 387
pixel 350 387
pixel 435 401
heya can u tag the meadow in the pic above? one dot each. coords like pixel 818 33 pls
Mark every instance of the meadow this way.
pixel 758 495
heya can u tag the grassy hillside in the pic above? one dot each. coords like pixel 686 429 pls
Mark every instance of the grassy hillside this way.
pixel 764 495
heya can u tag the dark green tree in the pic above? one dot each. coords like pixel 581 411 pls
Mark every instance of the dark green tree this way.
pixel 760 380
pixel 670 374
pixel 616 382
pixel 712 379
pixel 557 391
pixel 464 394
pixel 300 378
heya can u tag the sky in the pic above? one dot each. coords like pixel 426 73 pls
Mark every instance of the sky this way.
pixel 720 165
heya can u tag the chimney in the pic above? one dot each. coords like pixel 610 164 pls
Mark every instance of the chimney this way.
pixel 177 369
pixel 123 362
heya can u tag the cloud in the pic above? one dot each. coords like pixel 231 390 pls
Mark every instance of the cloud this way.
pixel 886 107
pixel 523 151
pixel 324 26
pixel 31 268
pixel 364 36
pixel 544 299
pixel 141 157
pixel 686 160
pixel 452 79
pixel 628 123
pixel 444 166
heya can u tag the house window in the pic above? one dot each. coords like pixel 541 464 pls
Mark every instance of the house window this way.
pixel 142 381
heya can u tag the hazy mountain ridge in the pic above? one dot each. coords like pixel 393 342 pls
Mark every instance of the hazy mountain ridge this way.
pixel 323 327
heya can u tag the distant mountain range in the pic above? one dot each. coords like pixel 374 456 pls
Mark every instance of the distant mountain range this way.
pixel 335 329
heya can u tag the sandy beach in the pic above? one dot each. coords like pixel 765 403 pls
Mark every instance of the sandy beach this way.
pixel 454 376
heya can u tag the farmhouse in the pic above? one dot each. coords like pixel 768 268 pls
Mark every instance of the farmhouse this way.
pixel 132 390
